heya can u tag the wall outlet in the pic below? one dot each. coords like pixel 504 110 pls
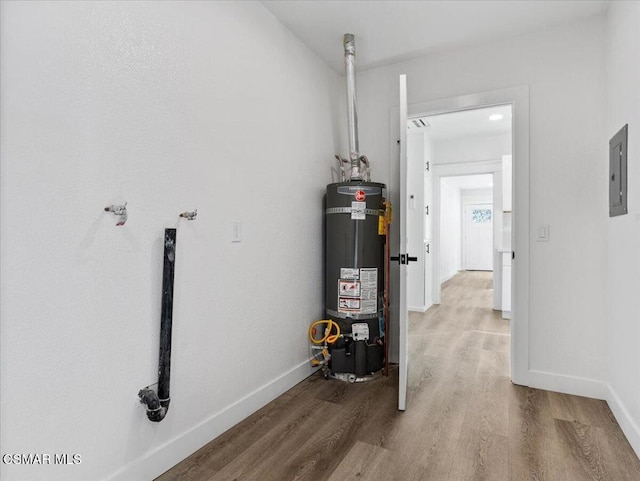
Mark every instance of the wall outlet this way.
pixel 236 231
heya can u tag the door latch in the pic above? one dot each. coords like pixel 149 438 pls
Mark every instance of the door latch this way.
pixel 404 259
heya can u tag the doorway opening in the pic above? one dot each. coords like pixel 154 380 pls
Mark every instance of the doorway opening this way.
pixel 466 224
pixel 460 212
pixel 518 221
pixel 460 197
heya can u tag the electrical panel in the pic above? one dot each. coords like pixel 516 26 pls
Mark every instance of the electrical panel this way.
pixel 618 173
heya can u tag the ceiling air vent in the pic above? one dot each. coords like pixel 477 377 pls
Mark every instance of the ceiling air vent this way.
pixel 419 123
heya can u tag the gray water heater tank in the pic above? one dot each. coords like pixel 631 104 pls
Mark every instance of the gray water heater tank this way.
pixel 354 274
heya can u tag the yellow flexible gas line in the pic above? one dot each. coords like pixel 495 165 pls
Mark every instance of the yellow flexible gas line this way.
pixel 328 337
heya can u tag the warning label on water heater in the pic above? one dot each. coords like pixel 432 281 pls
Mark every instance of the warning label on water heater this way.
pixel 348 305
pixel 347 273
pixel 358 290
pixel 349 288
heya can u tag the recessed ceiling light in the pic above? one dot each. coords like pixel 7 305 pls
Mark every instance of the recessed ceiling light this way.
pixel 496 117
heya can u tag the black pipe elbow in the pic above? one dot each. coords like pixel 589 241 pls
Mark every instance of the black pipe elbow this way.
pixel 156 409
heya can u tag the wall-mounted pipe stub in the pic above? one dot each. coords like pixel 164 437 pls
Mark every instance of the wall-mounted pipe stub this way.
pixel 120 211
pixel 157 404
pixel 190 215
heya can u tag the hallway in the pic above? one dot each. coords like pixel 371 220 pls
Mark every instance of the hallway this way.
pixel 464 418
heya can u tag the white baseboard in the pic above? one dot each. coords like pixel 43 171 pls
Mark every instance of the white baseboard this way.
pixel 171 453
pixel 578 386
pixel 422 308
pixel 629 427
pixel 419 308
pixel 448 276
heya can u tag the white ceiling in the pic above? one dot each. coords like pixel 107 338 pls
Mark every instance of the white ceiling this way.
pixel 466 123
pixel 390 31
pixel 464 182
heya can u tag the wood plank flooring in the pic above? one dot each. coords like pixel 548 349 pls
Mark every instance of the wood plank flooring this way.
pixel 464 418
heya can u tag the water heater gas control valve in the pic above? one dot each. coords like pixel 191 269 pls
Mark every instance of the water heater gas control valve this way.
pixel 360 331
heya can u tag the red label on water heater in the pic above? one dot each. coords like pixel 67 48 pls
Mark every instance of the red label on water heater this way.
pixel 360 195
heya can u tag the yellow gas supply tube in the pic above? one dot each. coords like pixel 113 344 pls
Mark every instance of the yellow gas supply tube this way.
pixel 328 337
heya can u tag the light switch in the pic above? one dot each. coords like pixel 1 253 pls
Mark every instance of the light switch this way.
pixel 236 231
pixel 543 233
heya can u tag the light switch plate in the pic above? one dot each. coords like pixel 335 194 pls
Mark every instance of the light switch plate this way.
pixel 543 233
pixel 236 231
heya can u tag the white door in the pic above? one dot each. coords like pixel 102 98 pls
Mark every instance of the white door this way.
pixel 478 237
pixel 403 315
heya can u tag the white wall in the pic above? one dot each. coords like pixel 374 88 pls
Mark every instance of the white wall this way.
pixel 477 196
pixel 563 68
pixel 471 149
pixel 450 231
pixel 623 259
pixel 152 103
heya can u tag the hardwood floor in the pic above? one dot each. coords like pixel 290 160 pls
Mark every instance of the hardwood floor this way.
pixel 464 418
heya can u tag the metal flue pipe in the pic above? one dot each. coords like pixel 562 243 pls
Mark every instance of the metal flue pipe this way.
pixel 352 111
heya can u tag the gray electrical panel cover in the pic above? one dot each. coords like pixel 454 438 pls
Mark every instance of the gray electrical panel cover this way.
pixel 618 173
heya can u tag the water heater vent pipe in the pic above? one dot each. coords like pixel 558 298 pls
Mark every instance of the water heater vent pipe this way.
pixel 352 111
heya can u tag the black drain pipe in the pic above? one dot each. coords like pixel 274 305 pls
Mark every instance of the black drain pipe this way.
pixel 158 403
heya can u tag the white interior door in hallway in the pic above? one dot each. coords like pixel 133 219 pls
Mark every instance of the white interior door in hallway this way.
pixel 477 246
